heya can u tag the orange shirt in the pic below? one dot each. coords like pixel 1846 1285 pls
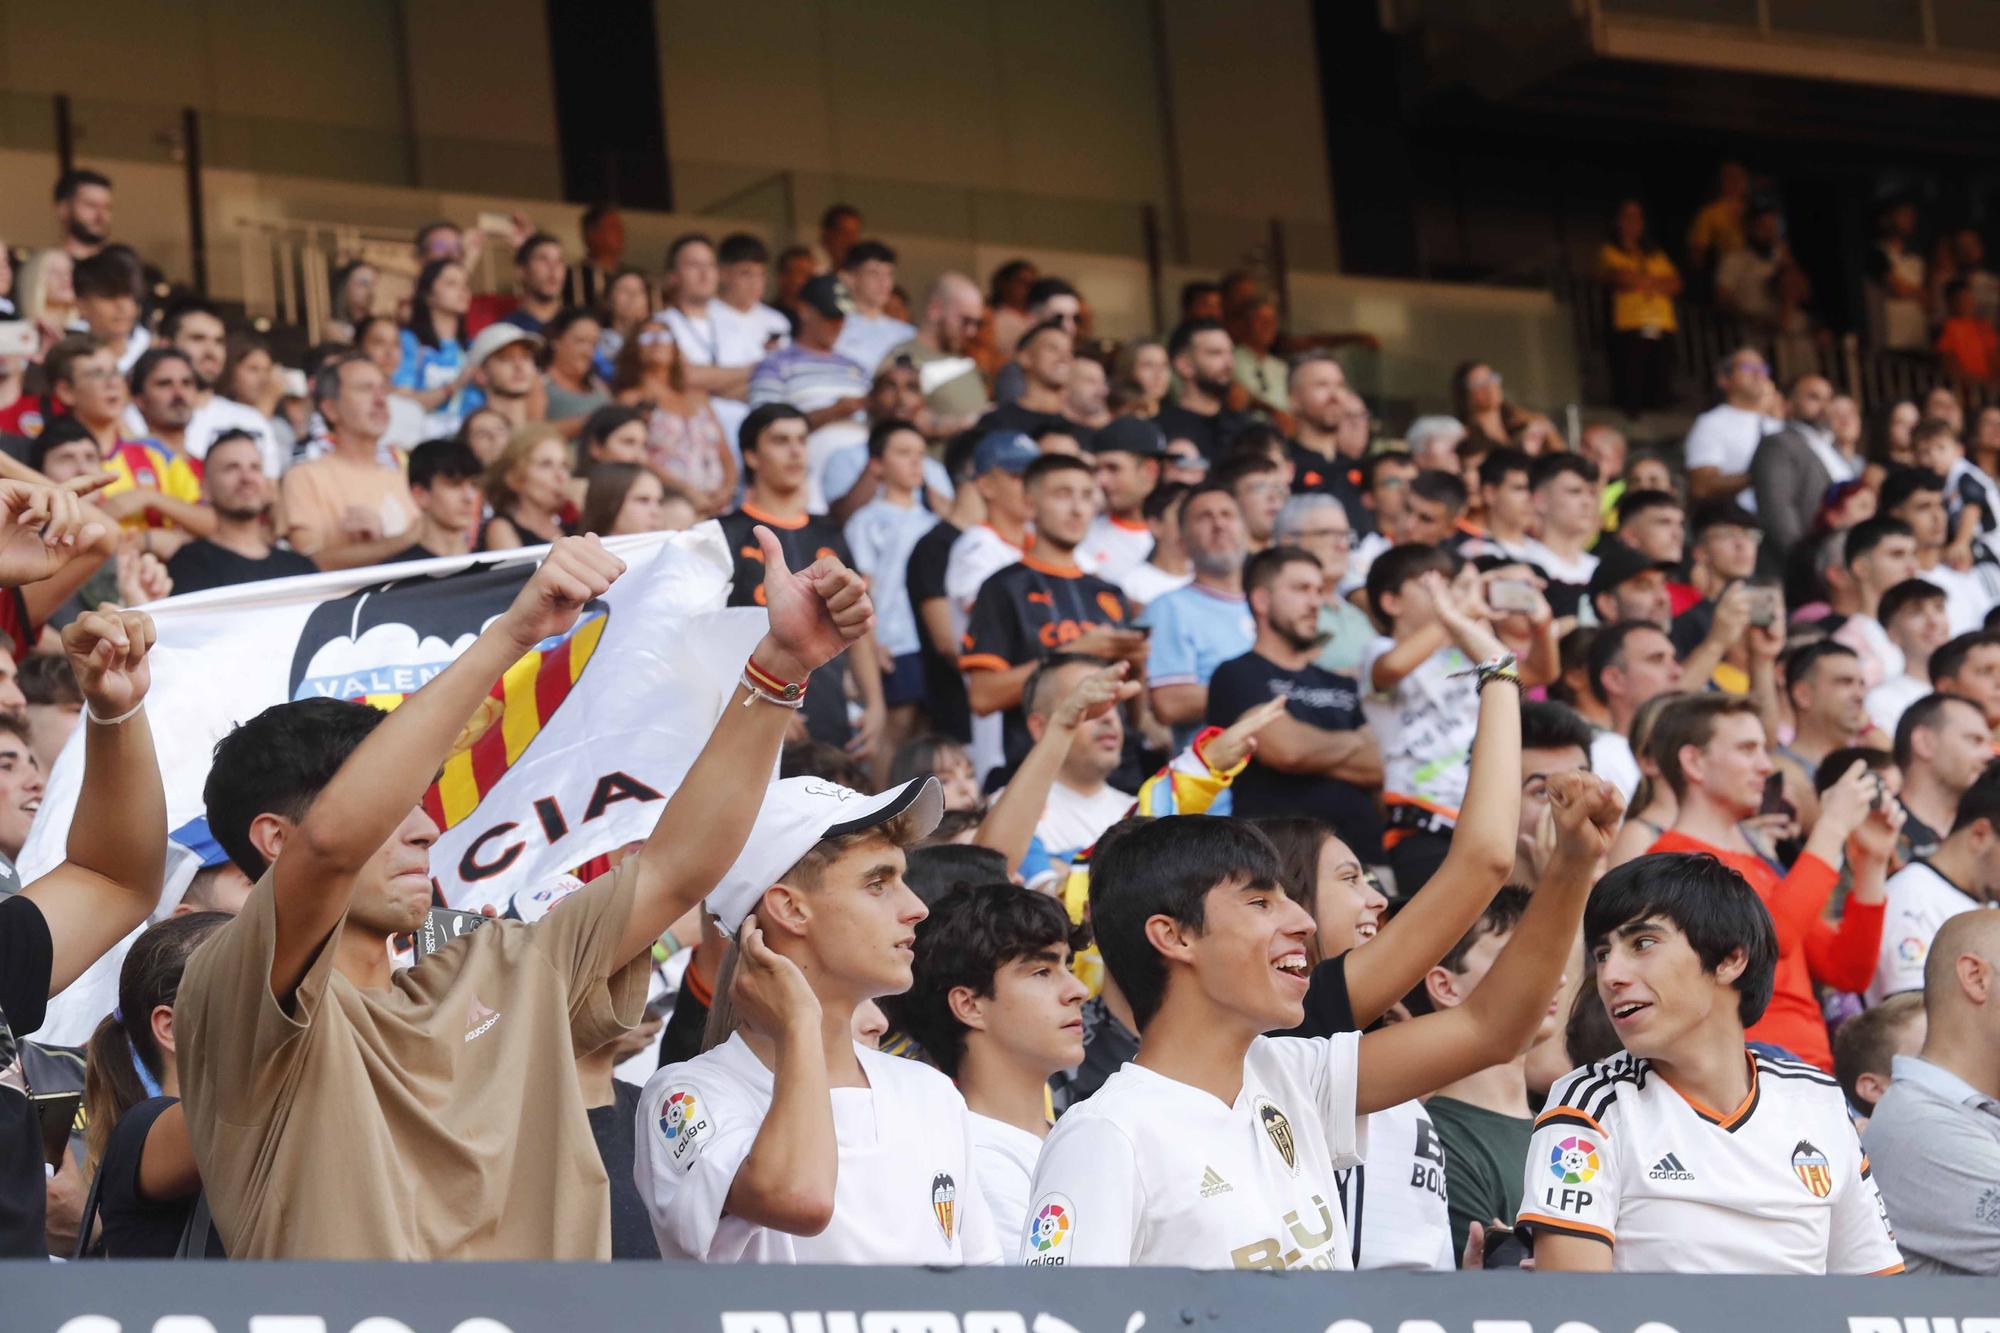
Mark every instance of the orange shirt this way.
pixel 1971 346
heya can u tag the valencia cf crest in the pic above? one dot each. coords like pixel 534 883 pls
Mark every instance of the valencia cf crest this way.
pixel 380 644
pixel 1278 1129
pixel 1812 1169
pixel 944 1202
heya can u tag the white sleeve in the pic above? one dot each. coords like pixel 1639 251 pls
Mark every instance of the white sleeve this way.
pixel 1088 1160
pixel 1365 673
pixel 959 584
pixel 1704 447
pixel 1906 942
pixel 691 1138
pixel 1335 1075
pixel 1570 1178
pixel 1860 1239
pixel 982 1242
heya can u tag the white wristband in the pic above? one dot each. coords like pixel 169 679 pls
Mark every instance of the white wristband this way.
pixel 125 716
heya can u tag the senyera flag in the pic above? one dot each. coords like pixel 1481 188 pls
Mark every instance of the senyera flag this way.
pixel 571 755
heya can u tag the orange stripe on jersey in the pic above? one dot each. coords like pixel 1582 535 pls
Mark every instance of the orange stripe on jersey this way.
pixel 984 662
pixel 1568 1228
pixel 1735 1117
pixel 1890 1271
pixel 1560 1114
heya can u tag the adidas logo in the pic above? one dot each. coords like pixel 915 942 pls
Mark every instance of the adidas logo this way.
pixel 1213 1184
pixel 478 1018
pixel 1669 1168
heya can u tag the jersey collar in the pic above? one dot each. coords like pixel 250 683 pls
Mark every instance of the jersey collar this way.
pixel 1734 1120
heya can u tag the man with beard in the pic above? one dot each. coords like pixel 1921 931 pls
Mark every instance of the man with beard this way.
pixel 1203 357
pixel 196 330
pixel 1045 354
pixel 1197 628
pixel 83 211
pixel 1332 435
pixel 239 495
pixel 1127 454
pixel 168 487
pixel 953 310
pixel 540 272
pixel 1319 758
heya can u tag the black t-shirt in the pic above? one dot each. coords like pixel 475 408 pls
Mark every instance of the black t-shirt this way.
pixel 803 540
pixel 27 959
pixel 944 688
pixel 1318 698
pixel 1312 471
pixel 415 551
pixel 1108 1046
pixel 202 564
pixel 1691 627
pixel 1027 611
pixel 1014 417
pixel 1211 432
pixel 631 1228
pixel 136 1227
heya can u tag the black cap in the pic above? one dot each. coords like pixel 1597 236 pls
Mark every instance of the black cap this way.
pixel 828 295
pixel 1129 435
pixel 1617 562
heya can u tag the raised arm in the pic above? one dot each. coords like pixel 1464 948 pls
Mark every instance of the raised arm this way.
pixel 1475 866
pixel 385 777
pixel 1498 1020
pixel 117 854
pixel 1010 824
pixel 815 614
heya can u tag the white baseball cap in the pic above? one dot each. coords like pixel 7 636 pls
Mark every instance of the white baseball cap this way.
pixel 496 336
pixel 799 813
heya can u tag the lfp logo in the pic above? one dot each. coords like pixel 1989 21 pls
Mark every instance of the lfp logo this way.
pixel 679 1109
pixel 1574 1160
pixel 1050 1229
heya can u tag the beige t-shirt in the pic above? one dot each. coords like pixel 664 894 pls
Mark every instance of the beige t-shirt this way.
pixel 317 495
pixel 437 1119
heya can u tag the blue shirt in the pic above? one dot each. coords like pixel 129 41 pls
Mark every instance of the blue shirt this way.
pixel 1194 631
pixel 424 368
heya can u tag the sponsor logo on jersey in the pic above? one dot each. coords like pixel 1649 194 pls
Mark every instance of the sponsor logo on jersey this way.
pixel 1809 1164
pixel 944 1201
pixel 1048 1230
pixel 1574 1160
pixel 1278 1128
pixel 1669 1168
pixel 1289 1249
pixel 1213 1184
pixel 478 1018
pixel 683 1126
pixel 1911 949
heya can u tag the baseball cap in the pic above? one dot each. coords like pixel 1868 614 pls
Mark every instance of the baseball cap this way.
pixel 828 295
pixel 496 336
pixel 1004 450
pixel 1129 435
pixel 1617 562
pixel 798 814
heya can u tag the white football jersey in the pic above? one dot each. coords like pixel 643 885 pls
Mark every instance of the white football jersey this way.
pixel 1395 1202
pixel 906 1191
pixel 1004 1157
pixel 1152 1171
pixel 1919 900
pixel 1777 1185
pixel 1111 548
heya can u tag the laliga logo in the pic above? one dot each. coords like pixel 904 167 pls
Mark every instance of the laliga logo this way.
pixel 381 643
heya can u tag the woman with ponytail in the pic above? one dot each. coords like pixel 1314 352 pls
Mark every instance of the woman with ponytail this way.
pixel 140 1156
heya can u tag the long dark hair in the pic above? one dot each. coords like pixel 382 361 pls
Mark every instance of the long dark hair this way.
pixel 123 1042
pixel 1299 840
pixel 421 322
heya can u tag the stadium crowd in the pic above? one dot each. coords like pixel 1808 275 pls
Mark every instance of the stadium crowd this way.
pixel 1211 832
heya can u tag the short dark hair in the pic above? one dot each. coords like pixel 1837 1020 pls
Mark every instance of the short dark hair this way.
pixel 683 241
pixel 326 380
pixel 1634 503
pixel 150 361
pixel 1546 725
pixel 1865 1043
pixel 1500 917
pixel 835 212
pixel 1927 713
pixel 1444 488
pixel 113 271
pixel 1550 466
pixel 1195 290
pixel 1375 462
pixel 1870 533
pixel 762 419
pixel 565 319
pixel 1040 330
pixel 177 314
pixel 69 182
pixel 1607 646
pixel 1931 428
pixel 1949 659
pixel 938 868
pixel 864 251
pixel 48 678
pixel 1709 903
pixel 1903 482
pixel 1240 467
pixel 1184 333
pixel 1264 567
pixel 1042 289
pixel 879 433
pixel 1162 498
pixel 1166 867
pixel 1981 801
pixel 453 460
pixel 967 938
pixel 1805 659
pixel 1050 464
pixel 1910 592
pixel 526 249
pixel 1720 512
pixel 1398 565
pixel 1834 767
pixel 277 763
pixel 60 431
pixel 1039 680
pixel 1498 464
pixel 1060 426
pixel 1691 721
pixel 740 247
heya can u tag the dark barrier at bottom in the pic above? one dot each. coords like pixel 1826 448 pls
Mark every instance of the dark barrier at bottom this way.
pixel 683 1298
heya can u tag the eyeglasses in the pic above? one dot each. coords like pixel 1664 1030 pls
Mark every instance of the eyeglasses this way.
pixel 1342 538
pixel 93 374
pixel 1749 367
pixel 655 336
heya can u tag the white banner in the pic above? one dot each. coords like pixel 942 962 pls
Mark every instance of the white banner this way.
pixel 571 756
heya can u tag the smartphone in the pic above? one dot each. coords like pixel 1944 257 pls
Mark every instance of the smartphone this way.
pixel 1504 1247
pixel 1512 596
pixel 56 1114
pixel 18 338
pixel 1763 607
pixel 496 224
pixel 441 927
pixel 1774 802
